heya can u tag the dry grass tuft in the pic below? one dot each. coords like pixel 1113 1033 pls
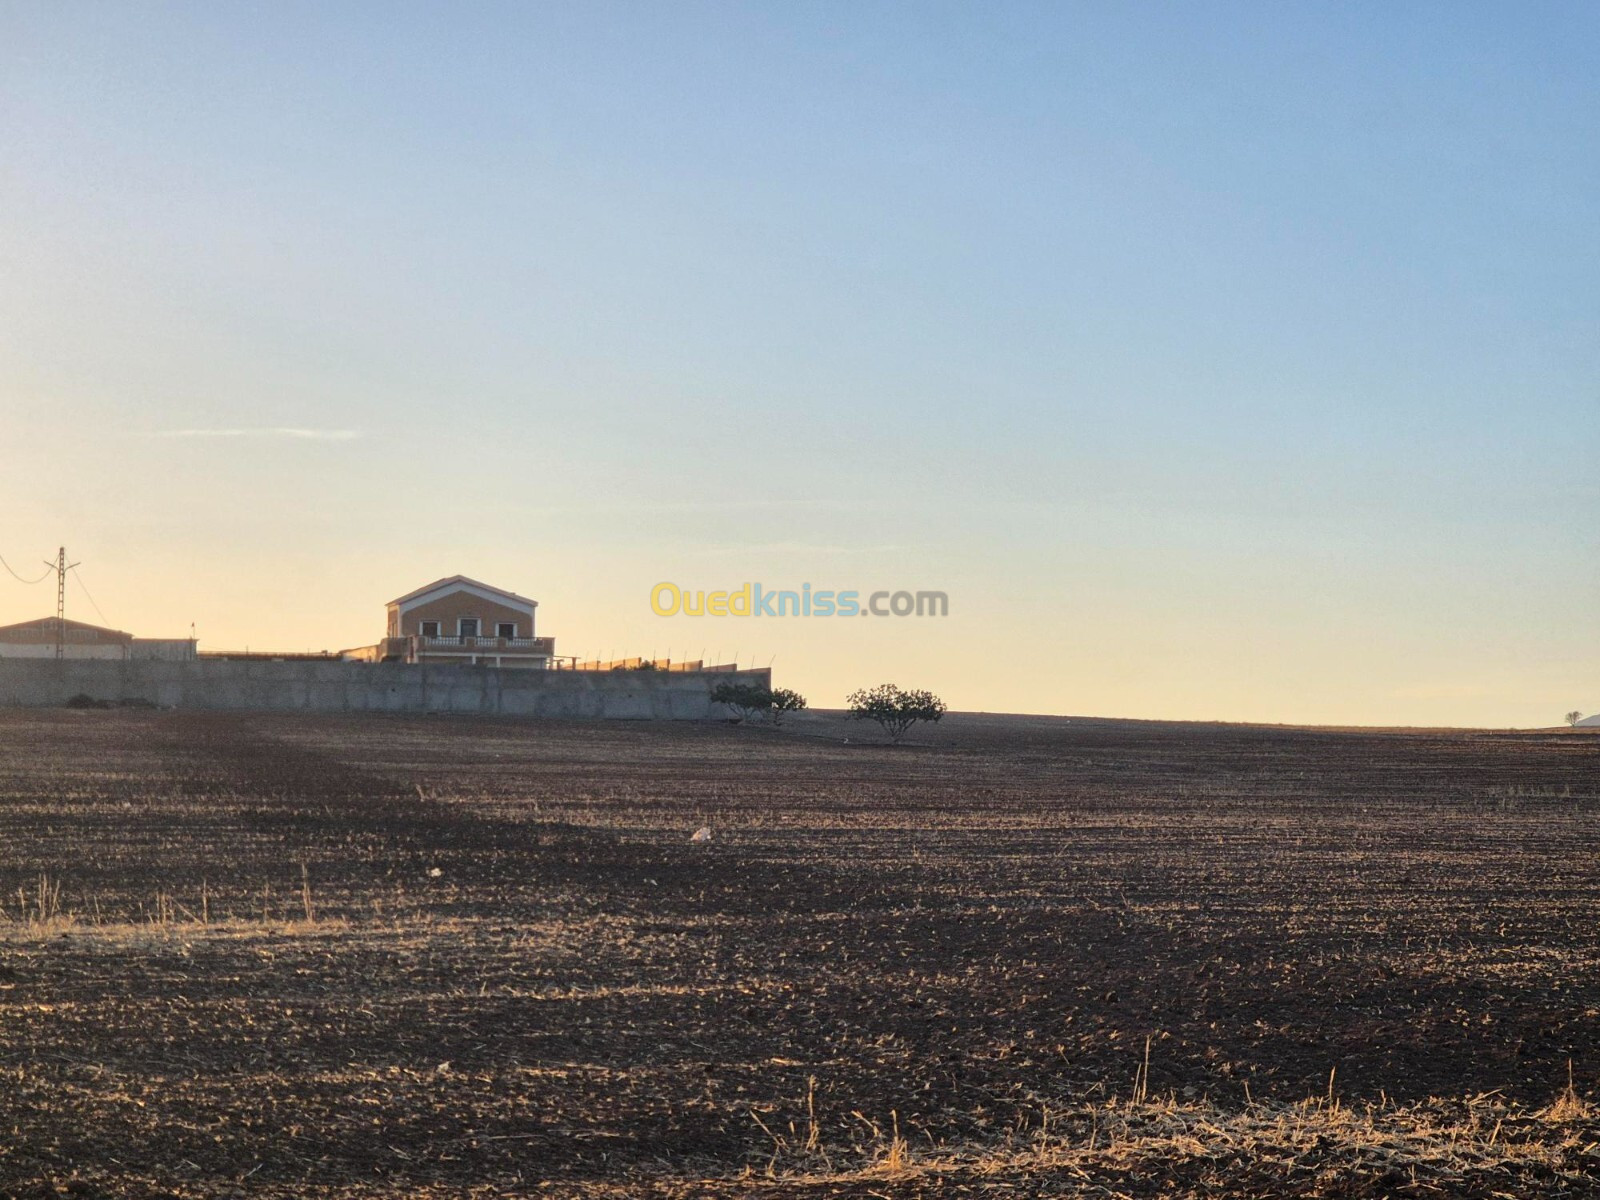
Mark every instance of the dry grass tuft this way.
pixel 1568 1107
pixel 39 910
pixel 1441 1147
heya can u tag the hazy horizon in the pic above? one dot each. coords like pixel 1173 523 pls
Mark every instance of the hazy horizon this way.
pixel 1220 362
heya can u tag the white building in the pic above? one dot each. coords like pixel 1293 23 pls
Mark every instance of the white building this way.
pixel 40 639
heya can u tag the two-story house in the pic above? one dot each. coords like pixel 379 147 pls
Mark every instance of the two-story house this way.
pixel 459 620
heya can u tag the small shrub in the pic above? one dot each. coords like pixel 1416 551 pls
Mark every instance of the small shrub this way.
pixel 784 700
pixel 746 699
pixel 751 700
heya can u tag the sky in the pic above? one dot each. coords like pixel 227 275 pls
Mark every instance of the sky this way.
pixel 1220 361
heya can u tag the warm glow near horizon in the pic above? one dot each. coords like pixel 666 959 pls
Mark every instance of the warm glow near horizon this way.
pixel 1218 363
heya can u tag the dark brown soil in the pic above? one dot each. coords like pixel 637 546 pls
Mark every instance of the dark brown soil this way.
pixel 522 978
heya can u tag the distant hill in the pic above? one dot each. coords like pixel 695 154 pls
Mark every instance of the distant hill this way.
pixel 1588 722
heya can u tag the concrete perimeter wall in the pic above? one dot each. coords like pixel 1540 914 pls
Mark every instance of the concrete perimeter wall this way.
pixel 371 687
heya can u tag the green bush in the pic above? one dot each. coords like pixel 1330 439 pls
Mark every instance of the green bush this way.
pixel 894 709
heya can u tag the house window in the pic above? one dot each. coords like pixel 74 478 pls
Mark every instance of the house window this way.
pixel 469 627
pixel 506 629
pixel 430 629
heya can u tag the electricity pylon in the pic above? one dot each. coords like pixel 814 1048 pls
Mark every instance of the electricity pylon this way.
pixel 61 566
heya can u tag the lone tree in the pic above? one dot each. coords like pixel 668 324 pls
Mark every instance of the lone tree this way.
pixel 751 700
pixel 1574 717
pixel 746 699
pixel 895 710
pixel 784 700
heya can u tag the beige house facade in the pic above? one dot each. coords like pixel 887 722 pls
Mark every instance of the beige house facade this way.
pixel 462 620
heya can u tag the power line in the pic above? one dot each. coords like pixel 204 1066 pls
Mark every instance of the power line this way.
pixel 41 579
pixel 78 575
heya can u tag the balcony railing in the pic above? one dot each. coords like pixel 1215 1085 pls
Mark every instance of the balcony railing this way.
pixel 485 642
pixel 411 647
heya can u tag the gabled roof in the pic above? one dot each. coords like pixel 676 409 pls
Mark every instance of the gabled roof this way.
pixel 461 581
pixel 45 628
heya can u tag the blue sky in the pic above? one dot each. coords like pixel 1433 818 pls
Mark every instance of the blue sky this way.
pixel 1220 360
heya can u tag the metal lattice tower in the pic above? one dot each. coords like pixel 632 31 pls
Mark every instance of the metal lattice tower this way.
pixel 61 566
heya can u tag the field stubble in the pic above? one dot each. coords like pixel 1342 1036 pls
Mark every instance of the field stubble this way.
pixel 364 956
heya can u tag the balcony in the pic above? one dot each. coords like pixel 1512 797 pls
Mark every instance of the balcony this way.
pixel 483 643
pixel 414 647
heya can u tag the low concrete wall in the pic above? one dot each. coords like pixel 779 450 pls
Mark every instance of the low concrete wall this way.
pixel 371 687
